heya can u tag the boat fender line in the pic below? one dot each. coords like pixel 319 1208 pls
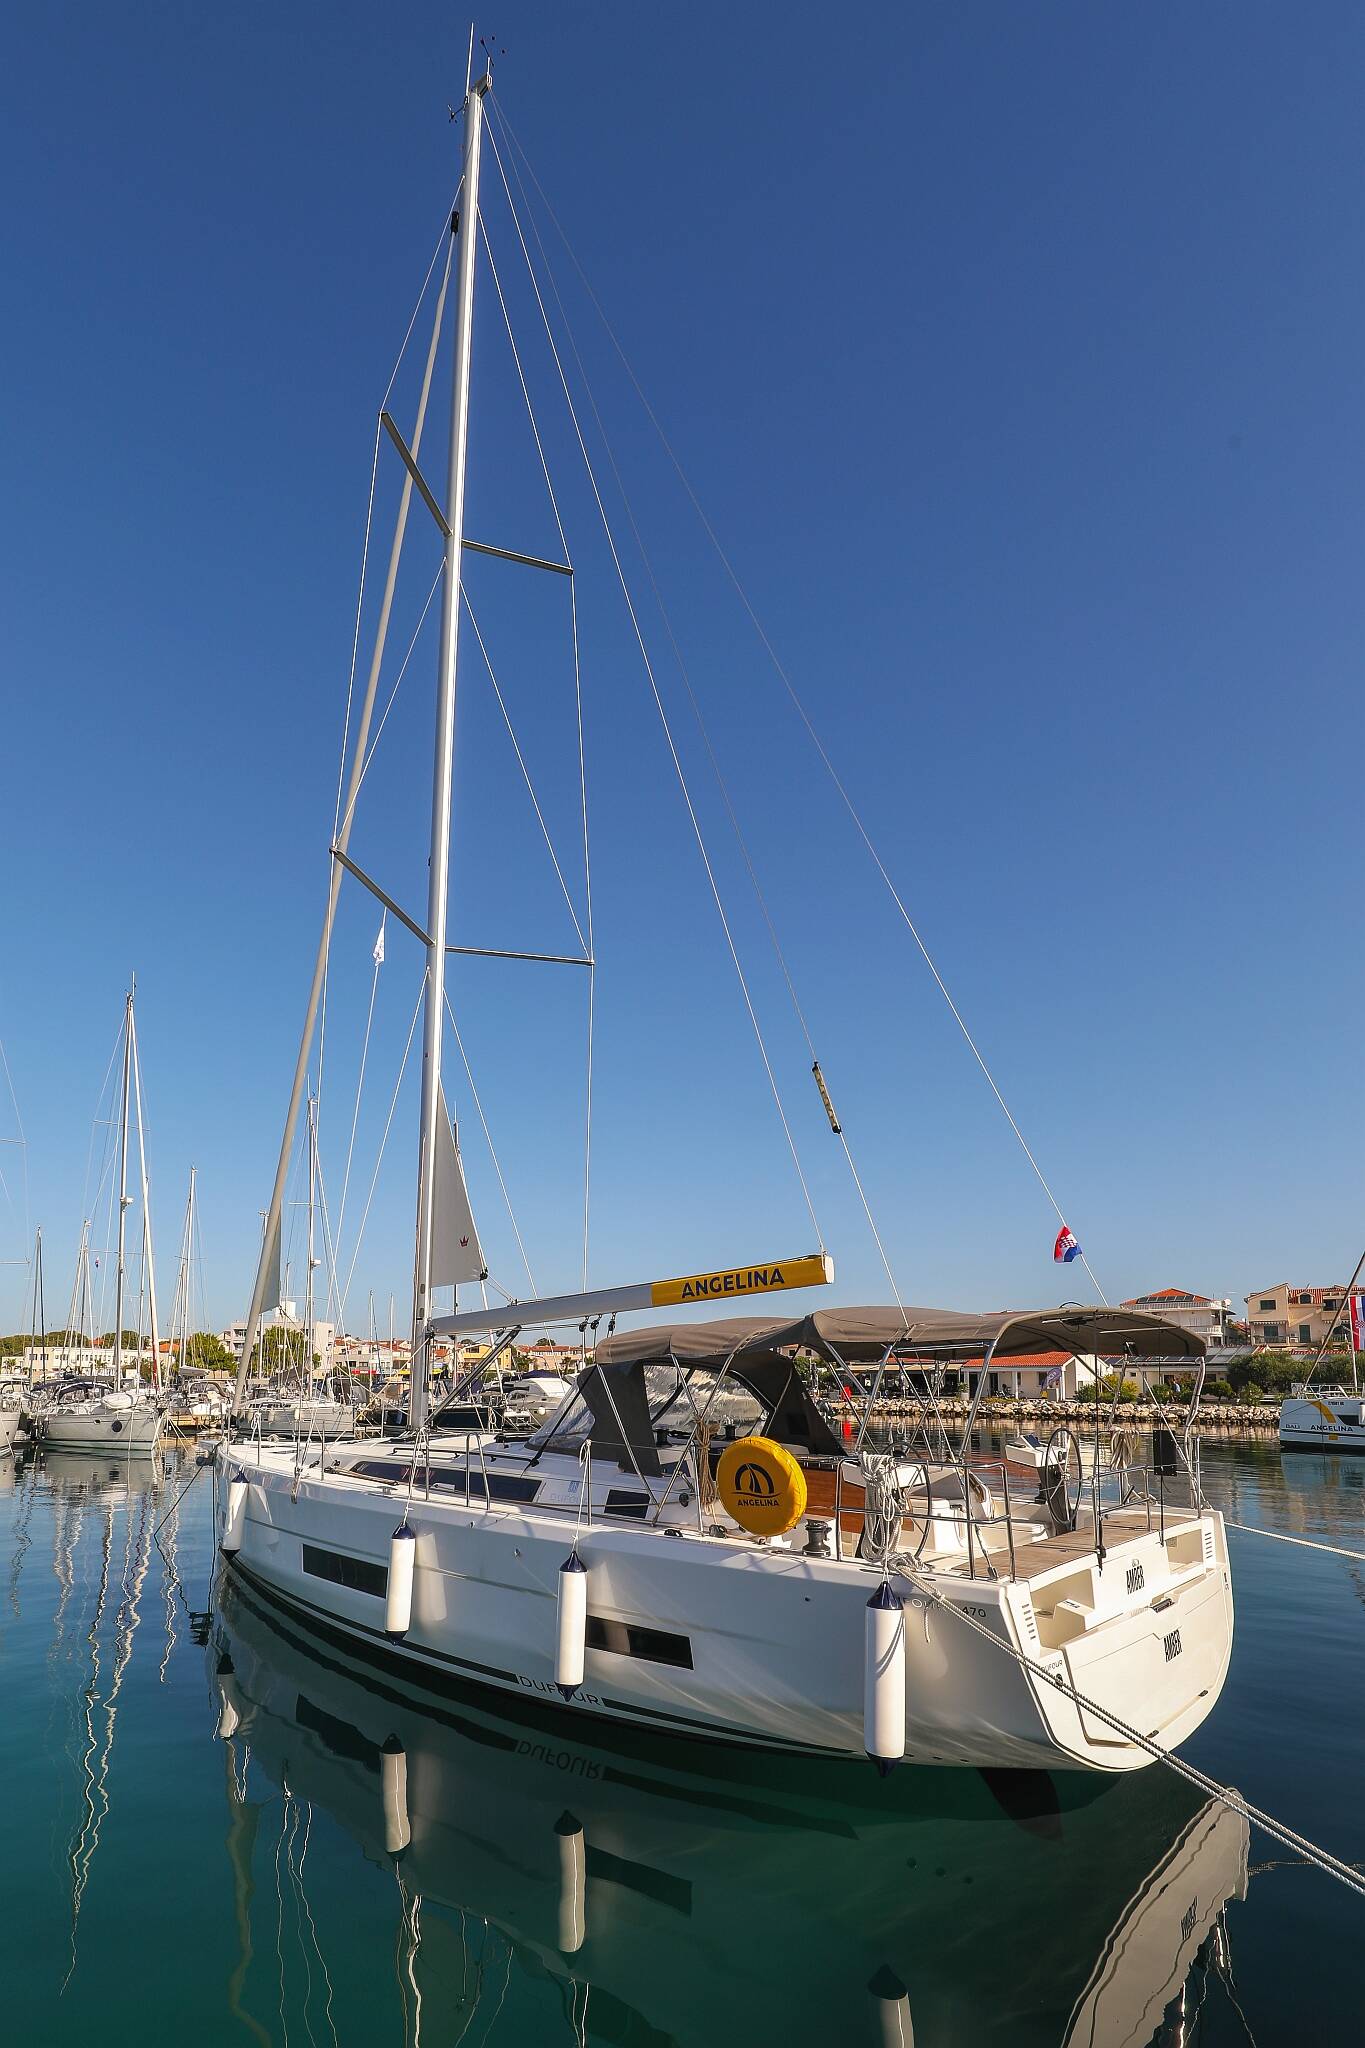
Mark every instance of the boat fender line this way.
pixel 897 2029
pixel 573 1865
pixel 573 1625
pixel 884 1679
pixel 398 1601
pixel 234 1522
pixel 761 1486
pixel 1278 1830
pixel 393 1774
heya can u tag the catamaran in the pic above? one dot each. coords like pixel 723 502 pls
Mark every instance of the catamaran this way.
pixel 687 1545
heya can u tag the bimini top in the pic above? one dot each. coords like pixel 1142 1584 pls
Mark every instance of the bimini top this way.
pixel 861 1335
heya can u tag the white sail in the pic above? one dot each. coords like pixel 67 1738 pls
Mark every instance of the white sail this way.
pixel 271 1266
pixel 456 1252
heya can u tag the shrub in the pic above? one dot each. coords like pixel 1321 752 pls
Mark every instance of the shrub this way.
pixel 1217 1390
pixel 1252 1393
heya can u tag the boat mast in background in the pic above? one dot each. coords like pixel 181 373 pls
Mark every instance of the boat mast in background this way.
pixel 123 1185
pixel 148 1259
pixel 433 1111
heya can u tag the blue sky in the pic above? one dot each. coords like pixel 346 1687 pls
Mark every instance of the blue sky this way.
pixel 1015 357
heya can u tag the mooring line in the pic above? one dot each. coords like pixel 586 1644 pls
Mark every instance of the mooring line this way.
pixel 1303 1542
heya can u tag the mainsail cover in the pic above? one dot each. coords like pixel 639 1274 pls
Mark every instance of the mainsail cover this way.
pixel 274 1269
pixel 456 1253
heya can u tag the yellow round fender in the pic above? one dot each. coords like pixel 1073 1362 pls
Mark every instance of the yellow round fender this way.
pixel 761 1485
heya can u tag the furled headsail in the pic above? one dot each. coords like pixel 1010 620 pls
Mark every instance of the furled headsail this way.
pixel 456 1253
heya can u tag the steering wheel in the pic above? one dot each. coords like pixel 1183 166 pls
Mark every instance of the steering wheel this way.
pixel 1056 1475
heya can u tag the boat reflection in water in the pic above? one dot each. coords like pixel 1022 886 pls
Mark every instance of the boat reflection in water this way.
pixel 662 1893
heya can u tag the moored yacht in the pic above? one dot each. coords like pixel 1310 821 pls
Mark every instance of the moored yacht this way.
pixel 685 1544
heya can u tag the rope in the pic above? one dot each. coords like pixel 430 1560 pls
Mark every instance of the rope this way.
pixel 659 706
pixel 1330 1865
pixel 1303 1542
pixel 783 677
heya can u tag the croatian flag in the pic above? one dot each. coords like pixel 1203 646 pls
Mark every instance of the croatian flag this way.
pixel 1066 1248
pixel 1358 1322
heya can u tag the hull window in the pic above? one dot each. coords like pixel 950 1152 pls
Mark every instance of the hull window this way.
pixel 651 1645
pixel 450 1479
pixel 355 1572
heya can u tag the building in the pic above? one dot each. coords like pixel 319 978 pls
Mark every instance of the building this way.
pixel 1295 1317
pixel 1202 1315
pixel 324 1334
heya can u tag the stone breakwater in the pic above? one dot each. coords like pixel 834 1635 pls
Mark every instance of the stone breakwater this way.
pixel 1215 1418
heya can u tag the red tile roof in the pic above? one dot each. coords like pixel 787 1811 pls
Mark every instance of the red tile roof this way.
pixel 1180 1294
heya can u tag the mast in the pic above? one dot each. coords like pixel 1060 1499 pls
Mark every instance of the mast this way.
pixel 306 1359
pixel 123 1197
pixel 433 1030
pixel 149 1261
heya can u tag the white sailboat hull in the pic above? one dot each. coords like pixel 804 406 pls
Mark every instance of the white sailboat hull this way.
pixel 735 1642
pixel 10 1419
pixel 304 1418
pixel 127 1429
pixel 1310 1424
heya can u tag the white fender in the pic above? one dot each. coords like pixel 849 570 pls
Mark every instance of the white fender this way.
pixel 393 1772
pixel 573 1625
pixel 398 1606
pixel 234 1522
pixel 884 1680
pixel 897 2029
pixel 229 1713
pixel 573 1863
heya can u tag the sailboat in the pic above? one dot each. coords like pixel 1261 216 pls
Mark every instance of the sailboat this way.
pixel 89 1412
pixel 951 1909
pixel 653 1557
pixel 296 1402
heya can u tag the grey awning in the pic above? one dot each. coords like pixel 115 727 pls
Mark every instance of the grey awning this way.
pixel 863 1335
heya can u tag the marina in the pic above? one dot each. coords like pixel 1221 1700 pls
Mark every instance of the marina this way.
pixel 334 1853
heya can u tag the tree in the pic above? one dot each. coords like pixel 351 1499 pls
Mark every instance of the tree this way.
pixel 280 1349
pixel 205 1353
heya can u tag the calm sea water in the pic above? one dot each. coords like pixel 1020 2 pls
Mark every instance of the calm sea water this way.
pixel 200 1815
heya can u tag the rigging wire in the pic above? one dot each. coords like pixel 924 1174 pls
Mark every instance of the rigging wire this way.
pixel 492 1150
pixel 712 756
pixel 446 240
pixel 582 759
pixel 525 771
pixel 388 1122
pixel 783 677
pixel 663 714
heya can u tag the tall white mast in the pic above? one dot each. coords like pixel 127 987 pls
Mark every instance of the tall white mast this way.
pixel 445 750
pixel 149 1261
pixel 123 1196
